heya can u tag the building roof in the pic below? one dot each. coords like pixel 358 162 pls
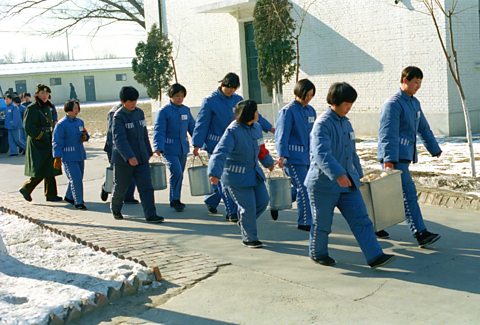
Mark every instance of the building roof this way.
pixel 64 66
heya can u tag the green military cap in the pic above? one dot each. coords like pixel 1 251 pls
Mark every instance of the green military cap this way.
pixel 42 87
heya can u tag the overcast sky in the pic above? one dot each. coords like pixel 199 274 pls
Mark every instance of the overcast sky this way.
pixel 21 35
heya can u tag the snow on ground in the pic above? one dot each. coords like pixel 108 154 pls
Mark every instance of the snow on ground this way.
pixel 43 272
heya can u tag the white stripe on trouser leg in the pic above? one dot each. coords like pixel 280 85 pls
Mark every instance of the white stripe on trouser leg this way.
pixel 313 245
pixel 408 214
pixel 300 189
pixel 72 186
pixel 240 212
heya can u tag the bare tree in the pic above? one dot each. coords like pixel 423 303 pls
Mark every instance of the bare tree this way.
pixel 434 9
pixel 298 31
pixel 74 12
pixel 9 57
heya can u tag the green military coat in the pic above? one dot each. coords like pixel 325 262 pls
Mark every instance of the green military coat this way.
pixel 38 127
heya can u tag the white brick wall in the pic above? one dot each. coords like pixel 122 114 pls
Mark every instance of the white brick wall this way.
pixel 366 43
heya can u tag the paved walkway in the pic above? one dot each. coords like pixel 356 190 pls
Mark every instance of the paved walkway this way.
pixel 275 285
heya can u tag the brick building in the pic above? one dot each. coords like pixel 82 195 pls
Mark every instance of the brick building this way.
pixel 366 43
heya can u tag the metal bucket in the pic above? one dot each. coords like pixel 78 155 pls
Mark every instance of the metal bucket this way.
pixel 158 173
pixel 279 189
pixel 108 187
pixel 383 198
pixel 198 178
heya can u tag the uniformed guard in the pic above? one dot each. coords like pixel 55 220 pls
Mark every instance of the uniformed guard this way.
pixel 14 125
pixel 68 137
pixel 170 129
pixel 295 121
pixel 401 120
pixel 129 196
pixel 333 180
pixel 130 156
pixel 235 161
pixel 216 113
pixel 38 125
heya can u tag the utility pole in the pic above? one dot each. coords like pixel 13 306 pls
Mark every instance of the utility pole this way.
pixel 68 45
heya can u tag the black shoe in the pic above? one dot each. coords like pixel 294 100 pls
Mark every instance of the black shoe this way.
pixel 80 206
pixel 381 260
pixel 103 195
pixel 426 238
pixel 69 200
pixel 382 234
pixel 13 155
pixel 211 209
pixel 155 219
pixel 177 205
pixel 54 199
pixel 117 215
pixel 253 244
pixel 25 194
pixel 304 227
pixel 232 217
pixel 21 152
pixel 327 260
pixel 131 201
pixel 274 214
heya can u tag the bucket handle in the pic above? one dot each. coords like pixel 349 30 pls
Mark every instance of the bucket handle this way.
pixel 270 172
pixel 201 159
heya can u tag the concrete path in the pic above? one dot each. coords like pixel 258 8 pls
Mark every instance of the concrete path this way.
pixel 212 279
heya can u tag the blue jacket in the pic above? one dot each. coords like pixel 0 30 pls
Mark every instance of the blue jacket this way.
pixel 170 129
pixel 109 140
pixel 333 153
pixel 216 113
pixel 235 158
pixel 401 119
pixel 130 136
pixel 67 143
pixel 22 109
pixel 292 134
pixel 13 118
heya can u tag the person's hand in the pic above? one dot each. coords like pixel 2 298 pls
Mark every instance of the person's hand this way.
pixel 84 136
pixel 195 151
pixel 133 161
pixel 272 130
pixel 158 153
pixel 57 163
pixel 214 180
pixel 271 167
pixel 388 165
pixel 344 181
pixel 280 162
pixel 438 155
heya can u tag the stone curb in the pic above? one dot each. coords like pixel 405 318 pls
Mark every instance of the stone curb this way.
pixel 71 313
pixel 448 199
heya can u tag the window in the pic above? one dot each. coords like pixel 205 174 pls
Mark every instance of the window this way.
pixel 20 86
pixel 55 81
pixel 121 77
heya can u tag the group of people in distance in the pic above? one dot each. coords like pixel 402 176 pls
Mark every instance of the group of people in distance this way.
pixel 318 153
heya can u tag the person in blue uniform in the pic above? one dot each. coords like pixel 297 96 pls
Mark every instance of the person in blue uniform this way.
pixel 14 125
pixel 333 180
pixel 170 129
pixel 216 113
pixel 401 120
pixel 68 137
pixel 18 102
pixel 294 123
pixel 130 155
pixel 235 161
pixel 129 195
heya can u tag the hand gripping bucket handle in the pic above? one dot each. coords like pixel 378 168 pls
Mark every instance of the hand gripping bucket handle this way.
pixel 198 178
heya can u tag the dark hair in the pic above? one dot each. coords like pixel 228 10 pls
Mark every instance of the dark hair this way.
pixel 341 92
pixel 302 87
pixel 17 100
pixel 9 96
pixel 43 87
pixel 245 111
pixel 175 89
pixel 70 104
pixel 128 93
pixel 231 80
pixel 411 72
pixel 27 95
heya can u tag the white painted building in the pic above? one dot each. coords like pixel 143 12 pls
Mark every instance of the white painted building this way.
pixel 366 43
pixel 94 80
